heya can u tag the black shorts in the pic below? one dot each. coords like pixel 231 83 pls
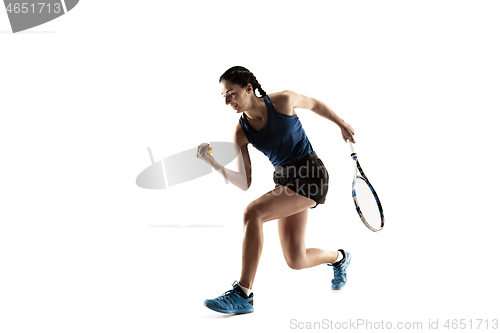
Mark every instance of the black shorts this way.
pixel 307 176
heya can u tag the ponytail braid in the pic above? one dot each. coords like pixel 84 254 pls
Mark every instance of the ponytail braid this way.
pixel 258 86
pixel 241 76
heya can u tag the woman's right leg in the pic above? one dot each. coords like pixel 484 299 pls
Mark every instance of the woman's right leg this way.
pixel 292 231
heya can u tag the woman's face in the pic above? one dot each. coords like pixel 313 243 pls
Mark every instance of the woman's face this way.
pixel 235 96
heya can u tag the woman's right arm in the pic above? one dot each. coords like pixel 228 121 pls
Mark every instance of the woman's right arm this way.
pixel 241 178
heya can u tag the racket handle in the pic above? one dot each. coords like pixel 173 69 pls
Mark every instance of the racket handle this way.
pixel 350 144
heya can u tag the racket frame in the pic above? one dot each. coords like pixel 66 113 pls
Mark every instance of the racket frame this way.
pixel 357 167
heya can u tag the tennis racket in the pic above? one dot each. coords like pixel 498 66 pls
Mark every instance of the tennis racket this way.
pixel 365 198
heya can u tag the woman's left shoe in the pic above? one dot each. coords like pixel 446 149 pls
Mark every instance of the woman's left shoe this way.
pixel 339 271
pixel 232 301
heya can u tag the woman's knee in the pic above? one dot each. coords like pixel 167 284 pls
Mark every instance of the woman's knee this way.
pixel 251 214
pixel 295 259
pixel 295 262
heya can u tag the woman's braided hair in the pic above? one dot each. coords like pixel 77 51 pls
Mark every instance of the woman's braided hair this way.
pixel 242 76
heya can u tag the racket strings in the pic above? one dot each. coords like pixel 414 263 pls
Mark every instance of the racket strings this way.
pixel 367 204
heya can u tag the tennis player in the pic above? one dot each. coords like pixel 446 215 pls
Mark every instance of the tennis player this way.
pixel 270 124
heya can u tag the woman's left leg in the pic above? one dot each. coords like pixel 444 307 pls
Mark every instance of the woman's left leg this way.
pixel 292 231
pixel 275 204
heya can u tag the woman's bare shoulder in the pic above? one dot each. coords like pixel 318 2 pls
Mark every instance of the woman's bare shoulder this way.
pixel 282 102
pixel 239 136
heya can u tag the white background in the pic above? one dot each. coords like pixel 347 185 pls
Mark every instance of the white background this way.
pixel 83 249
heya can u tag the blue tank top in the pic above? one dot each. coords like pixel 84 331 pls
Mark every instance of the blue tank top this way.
pixel 282 139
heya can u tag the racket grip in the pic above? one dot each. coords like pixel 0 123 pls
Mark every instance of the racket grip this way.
pixel 351 146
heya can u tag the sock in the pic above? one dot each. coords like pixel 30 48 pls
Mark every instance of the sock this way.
pixel 245 290
pixel 339 257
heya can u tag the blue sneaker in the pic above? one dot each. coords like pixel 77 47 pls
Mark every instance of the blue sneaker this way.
pixel 339 274
pixel 232 301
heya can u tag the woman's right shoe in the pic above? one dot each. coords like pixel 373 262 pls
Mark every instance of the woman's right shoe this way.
pixel 339 271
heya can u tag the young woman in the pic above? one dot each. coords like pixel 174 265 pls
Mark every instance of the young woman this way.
pixel 271 125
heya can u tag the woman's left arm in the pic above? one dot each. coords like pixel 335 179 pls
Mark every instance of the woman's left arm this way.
pixel 303 102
